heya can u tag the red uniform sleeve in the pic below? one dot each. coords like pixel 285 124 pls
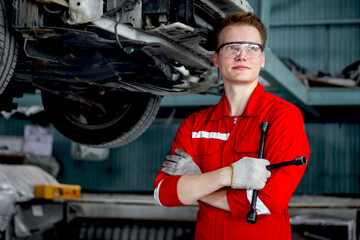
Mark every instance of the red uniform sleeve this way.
pixel 286 140
pixel 165 185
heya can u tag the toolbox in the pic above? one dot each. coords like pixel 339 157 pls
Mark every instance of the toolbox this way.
pixel 55 191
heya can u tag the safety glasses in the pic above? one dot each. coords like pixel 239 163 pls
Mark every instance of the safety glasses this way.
pixel 233 49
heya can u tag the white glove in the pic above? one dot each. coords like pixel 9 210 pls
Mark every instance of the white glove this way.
pixel 180 164
pixel 250 173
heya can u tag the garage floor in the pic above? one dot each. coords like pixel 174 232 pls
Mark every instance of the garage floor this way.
pixel 139 217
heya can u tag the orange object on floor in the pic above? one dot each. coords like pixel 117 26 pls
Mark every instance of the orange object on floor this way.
pixel 56 191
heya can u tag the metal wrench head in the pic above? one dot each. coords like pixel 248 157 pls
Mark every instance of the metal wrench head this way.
pixel 299 161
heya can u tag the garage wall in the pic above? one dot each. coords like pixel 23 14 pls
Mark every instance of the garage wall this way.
pixel 334 160
pixel 317 34
pixel 130 168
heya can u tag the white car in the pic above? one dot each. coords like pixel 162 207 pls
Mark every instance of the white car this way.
pixel 104 66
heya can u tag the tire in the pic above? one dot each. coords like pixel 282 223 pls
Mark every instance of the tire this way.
pixel 8 48
pixel 106 120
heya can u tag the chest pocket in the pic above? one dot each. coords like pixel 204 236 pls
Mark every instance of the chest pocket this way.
pixel 207 153
pixel 247 145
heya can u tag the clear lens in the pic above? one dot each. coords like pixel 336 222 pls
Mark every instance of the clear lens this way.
pixel 232 50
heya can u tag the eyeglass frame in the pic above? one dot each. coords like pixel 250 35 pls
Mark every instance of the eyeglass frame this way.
pixel 241 42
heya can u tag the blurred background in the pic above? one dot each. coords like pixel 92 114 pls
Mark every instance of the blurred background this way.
pixel 319 42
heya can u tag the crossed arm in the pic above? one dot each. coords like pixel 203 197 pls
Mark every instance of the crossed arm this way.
pixel 193 185
pixel 196 187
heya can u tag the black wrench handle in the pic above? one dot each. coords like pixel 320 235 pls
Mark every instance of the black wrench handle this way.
pixel 252 215
pixel 299 161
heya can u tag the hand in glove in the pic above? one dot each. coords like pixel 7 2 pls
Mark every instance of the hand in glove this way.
pixel 180 164
pixel 250 173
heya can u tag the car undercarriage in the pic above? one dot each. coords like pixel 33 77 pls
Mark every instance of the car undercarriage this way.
pixel 103 67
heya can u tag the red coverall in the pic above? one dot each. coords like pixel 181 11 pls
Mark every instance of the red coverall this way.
pixel 215 140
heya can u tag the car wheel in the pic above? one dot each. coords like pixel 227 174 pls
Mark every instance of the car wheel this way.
pixel 101 119
pixel 8 48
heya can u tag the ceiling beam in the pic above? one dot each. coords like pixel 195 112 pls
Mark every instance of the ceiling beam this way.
pixel 280 77
pixel 334 97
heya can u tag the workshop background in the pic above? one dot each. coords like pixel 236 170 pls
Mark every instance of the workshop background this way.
pixel 314 38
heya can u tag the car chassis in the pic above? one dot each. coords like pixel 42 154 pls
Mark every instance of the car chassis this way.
pixel 103 67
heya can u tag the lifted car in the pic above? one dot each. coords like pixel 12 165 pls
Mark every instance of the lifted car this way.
pixel 103 66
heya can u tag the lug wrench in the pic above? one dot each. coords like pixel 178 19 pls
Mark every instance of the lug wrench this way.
pixel 252 215
pixel 299 161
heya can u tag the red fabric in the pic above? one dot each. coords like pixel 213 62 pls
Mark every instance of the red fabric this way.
pixel 286 140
